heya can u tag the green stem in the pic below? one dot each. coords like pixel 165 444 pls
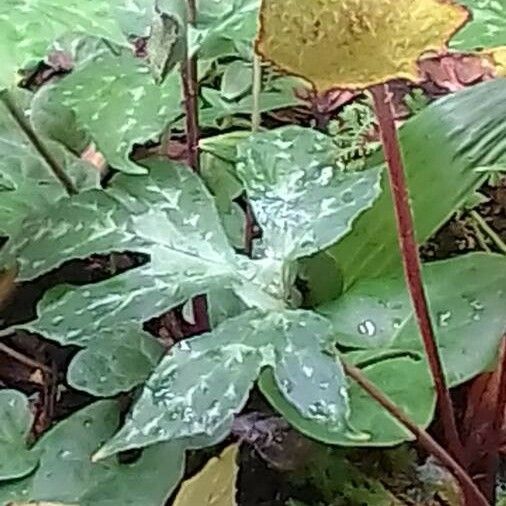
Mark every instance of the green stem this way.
pixel 257 88
pixel 19 117
pixel 494 236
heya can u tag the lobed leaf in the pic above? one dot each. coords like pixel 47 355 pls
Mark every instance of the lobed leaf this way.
pixel 301 200
pixel 116 100
pixel 205 380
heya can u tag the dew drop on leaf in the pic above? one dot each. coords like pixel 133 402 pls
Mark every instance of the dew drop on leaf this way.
pixel 367 328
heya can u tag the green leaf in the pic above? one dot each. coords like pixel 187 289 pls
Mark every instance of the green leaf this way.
pixel 189 254
pixel 205 380
pixel 466 298
pixel 301 200
pixel 234 20
pixel 165 46
pixel 16 460
pixel 122 359
pixel 404 379
pixel 236 80
pixel 215 109
pixel 66 473
pixel 27 185
pixel 444 143
pixel 486 29
pixel 28 27
pixel 119 104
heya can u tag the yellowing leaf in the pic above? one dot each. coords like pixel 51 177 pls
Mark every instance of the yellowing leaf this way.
pixel 355 43
pixel 498 57
pixel 214 485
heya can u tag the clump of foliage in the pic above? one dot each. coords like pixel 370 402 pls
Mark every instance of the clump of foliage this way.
pixel 320 286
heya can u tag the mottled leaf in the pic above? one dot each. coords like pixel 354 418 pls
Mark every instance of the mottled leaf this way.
pixel 404 378
pixel 486 29
pixel 189 254
pixel 116 99
pixel 27 184
pixel 443 143
pixel 28 27
pixel 300 199
pixel 466 297
pixel 16 460
pixel 176 403
pixel 354 44
pixel 215 485
pixel 66 473
pixel 122 359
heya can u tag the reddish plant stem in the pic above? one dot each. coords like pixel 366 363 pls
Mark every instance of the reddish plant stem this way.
pixel 499 420
pixel 411 262
pixel 189 74
pixel 473 495
pixel 191 91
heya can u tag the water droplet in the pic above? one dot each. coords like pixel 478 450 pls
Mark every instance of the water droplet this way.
pixel 347 197
pixel 367 328
pixel 443 318
pixel 308 371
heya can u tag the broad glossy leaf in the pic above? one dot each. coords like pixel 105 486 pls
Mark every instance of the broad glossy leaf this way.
pixel 354 44
pixel 178 402
pixel 403 377
pixel 28 27
pixel 467 296
pixel 123 358
pixel 215 485
pixel 444 143
pixel 16 460
pixel 27 184
pixel 301 200
pixel 116 100
pixel 66 473
pixel 486 29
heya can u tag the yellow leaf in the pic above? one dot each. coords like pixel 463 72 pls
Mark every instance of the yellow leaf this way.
pixel 355 43
pixel 498 59
pixel 214 485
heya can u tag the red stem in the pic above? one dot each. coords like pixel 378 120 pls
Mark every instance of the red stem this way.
pixel 189 73
pixel 411 262
pixel 473 495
